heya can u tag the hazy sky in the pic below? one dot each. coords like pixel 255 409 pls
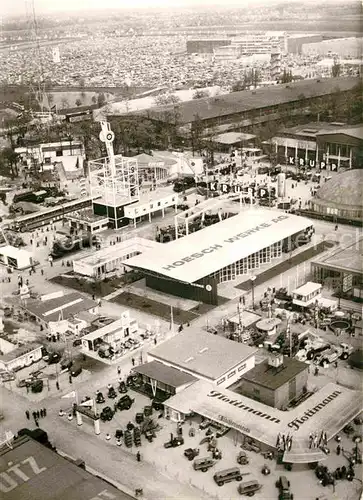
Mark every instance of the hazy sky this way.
pixel 15 7
pixel 10 7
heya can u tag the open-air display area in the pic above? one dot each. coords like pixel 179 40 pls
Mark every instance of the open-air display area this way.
pixel 181 252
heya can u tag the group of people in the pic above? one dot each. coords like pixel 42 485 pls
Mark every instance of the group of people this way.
pixel 316 441
pixel 36 415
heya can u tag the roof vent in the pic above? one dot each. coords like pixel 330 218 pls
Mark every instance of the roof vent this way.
pixel 189 359
pixel 203 350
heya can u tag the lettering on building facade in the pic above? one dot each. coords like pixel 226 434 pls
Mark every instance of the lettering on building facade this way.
pixel 297 422
pixel 217 246
pixel 242 406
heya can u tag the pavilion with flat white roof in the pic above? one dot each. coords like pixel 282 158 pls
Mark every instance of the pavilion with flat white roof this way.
pixel 192 266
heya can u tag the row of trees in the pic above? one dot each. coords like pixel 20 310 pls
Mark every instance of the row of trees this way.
pixel 137 134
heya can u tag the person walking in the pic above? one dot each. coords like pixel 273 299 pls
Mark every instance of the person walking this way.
pixel 34 415
pixel 138 456
pixel 118 370
pixel 44 412
pixel 338 449
pixel 27 414
pixel 41 413
pixel 133 361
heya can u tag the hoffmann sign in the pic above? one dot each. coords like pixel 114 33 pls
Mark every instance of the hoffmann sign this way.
pixel 218 246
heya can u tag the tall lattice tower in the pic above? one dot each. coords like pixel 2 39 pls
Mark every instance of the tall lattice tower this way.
pixel 37 83
pixel 114 181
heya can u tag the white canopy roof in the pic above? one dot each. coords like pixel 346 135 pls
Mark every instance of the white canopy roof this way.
pixel 206 251
pixel 329 410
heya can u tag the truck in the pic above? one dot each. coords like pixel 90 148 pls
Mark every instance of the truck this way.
pixel 346 350
pixel 329 356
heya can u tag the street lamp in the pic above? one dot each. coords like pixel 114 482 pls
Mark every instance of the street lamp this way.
pixel 253 279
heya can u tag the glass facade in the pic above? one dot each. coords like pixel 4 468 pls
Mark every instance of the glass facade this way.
pixel 246 265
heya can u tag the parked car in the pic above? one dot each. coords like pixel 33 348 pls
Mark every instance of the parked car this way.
pixel 6 376
pixel 75 370
pixel 284 488
pixel 37 386
pixel 251 445
pixel 53 358
pixel 125 403
pixel 346 350
pixel 203 464
pixel 222 431
pixel 107 414
pixel 191 453
pixel 77 342
pixel 204 424
pixel 66 364
pixel 249 488
pixel 225 476
pixel 174 442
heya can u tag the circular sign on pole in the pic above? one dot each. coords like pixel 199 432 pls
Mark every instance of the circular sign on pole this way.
pixel 110 136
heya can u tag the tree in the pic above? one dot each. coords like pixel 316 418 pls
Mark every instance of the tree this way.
pixel 238 86
pixel 101 99
pixel 165 99
pixel 78 102
pixel 335 69
pixel 286 77
pixel 8 163
pixel 200 94
pixel 64 103
pixel 196 134
pixel 94 99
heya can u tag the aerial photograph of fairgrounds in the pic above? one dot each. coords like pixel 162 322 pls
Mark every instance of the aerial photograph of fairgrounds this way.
pixel 181 280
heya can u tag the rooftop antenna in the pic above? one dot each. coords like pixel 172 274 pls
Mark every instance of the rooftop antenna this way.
pixel 37 84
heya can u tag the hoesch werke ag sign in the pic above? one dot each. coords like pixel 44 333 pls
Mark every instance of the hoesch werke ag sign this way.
pixel 218 246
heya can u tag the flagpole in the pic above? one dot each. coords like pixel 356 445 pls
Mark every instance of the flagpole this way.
pixel 171 319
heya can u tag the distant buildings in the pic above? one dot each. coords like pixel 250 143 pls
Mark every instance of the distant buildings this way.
pixel 332 143
pixel 66 155
pixel 15 357
pixel 343 47
pixel 206 45
pixel 245 108
pixel 295 42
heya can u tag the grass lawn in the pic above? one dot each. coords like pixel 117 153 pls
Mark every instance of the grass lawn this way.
pixel 153 307
pixel 100 288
